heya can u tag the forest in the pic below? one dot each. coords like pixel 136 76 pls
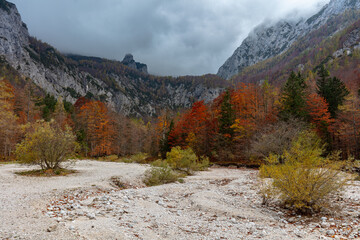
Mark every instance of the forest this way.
pixel 234 128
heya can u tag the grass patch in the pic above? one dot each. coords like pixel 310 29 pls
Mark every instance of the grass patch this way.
pixel 9 162
pixel 160 175
pixel 141 158
pixel 47 173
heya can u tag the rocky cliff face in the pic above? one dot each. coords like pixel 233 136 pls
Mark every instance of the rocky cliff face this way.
pixel 52 72
pixel 130 62
pixel 269 41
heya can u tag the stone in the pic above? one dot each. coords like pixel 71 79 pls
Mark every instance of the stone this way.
pixel 51 228
pixel 270 40
pixel 330 232
pixel 66 81
pixel 325 225
pixel 91 215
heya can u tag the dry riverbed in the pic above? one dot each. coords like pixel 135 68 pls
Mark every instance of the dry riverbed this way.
pixel 221 203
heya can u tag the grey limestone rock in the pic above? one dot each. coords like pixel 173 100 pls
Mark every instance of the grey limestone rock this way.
pixel 269 41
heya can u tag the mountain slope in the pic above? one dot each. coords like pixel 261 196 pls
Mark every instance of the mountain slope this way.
pixel 339 52
pixel 269 41
pixel 126 86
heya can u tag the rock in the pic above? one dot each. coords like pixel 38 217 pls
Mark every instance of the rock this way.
pixel 299 233
pixel 130 62
pixel 91 215
pixel 269 40
pixel 51 228
pixel 330 232
pixel 161 203
pixel 325 225
pixel 71 228
pixel 60 79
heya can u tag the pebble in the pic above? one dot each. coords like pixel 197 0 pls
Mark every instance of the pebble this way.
pixel 51 228
pixel 91 215
pixel 325 225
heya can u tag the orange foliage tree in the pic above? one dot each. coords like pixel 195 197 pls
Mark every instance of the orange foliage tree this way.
pixel 347 127
pixel 8 120
pixel 196 129
pixel 319 114
pixel 98 126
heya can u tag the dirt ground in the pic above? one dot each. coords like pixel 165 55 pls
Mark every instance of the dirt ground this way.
pixel 221 203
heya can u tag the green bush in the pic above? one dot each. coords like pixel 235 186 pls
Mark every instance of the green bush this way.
pixel 304 179
pixel 47 146
pixel 159 175
pixel 186 160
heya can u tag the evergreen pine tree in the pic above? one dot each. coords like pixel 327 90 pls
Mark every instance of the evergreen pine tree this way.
pixel 333 90
pixel 227 116
pixel 293 97
pixel 164 146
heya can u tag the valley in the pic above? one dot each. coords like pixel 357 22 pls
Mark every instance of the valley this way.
pixel 222 203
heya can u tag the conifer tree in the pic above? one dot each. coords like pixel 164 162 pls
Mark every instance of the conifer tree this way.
pixel 333 90
pixel 227 116
pixel 293 97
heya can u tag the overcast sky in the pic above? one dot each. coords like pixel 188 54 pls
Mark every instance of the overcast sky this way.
pixel 173 37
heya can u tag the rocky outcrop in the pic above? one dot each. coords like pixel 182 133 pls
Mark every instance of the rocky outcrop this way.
pixel 13 33
pixel 130 62
pixel 52 71
pixel 269 41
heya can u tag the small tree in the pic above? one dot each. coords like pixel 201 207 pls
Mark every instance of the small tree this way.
pixel 47 146
pixel 186 160
pixel 306 179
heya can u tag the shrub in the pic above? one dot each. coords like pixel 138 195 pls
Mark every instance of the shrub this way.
pixel 275 139
pixel 160 175
pixel 305 180
pixel 110 158
pixel 138 158
pixel 186 160
pixel 47 146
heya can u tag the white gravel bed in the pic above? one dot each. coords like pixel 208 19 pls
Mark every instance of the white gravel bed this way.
pixel 220 203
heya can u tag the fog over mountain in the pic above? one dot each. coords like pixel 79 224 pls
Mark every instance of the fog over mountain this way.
pixel 178 37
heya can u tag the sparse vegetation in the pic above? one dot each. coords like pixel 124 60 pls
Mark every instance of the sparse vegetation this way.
pixel 47 145
pixel 178 163
pixel 160 175
pixel 47 172
pixel 136 158
pixel 305 179
pixel 186 160
pixel 275 139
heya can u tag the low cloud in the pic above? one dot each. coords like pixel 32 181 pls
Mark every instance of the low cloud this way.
pixel 177 37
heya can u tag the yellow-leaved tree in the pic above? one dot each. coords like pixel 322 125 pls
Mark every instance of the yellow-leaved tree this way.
pixel 47 145
pixel 8 120
pixel 301 177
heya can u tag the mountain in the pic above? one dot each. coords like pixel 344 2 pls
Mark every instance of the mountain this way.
pixel 130 62
pixel 125 86
pixel 339 52
pixel 269 41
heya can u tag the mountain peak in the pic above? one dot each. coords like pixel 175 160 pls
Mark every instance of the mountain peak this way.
pixel 130 62
pixel 129 58
pixel 267 41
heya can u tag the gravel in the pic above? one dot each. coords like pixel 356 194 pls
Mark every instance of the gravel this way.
pixel 220 203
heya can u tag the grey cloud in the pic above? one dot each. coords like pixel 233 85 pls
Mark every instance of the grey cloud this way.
pixel 174 37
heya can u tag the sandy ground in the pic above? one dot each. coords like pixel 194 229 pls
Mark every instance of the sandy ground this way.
pixel 220 203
